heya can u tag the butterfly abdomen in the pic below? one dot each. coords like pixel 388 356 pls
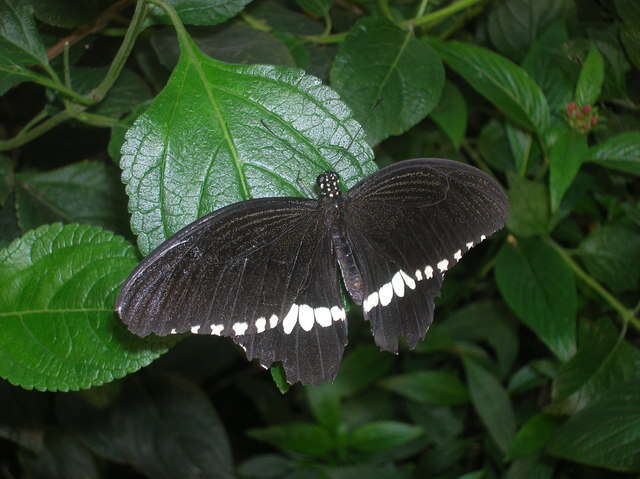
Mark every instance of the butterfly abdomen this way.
pixel 351 274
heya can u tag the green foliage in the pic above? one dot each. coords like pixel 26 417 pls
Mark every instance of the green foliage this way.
pixel 532 365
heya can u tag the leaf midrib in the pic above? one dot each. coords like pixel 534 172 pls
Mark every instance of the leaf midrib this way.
pixel 7 314
pixel 193 58
pixel 393 66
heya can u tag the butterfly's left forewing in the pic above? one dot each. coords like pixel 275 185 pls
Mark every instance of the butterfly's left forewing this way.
pixel 407 225
pixel 261 272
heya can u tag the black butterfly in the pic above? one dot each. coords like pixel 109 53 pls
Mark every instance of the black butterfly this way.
pixel 265 271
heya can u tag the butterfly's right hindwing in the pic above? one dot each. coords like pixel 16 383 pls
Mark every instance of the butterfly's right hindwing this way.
pixel 260 271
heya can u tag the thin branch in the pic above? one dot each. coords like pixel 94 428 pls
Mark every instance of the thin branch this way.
pixel 84 30
pixel 34 132
pixel 441 14
pixel 626 314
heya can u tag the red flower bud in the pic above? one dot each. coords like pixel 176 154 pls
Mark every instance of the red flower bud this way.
pixel 586 109
pixel 571 106
pixel 594 120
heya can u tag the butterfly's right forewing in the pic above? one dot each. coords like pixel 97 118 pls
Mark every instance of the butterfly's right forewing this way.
pixel 260 271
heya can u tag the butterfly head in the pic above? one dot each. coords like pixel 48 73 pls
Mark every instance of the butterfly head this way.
pixel 329 184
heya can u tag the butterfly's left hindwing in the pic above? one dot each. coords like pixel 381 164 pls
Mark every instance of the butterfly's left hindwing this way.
pixel 407 225
pixel 262 272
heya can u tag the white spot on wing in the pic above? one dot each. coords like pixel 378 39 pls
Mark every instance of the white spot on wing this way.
pixel 470 245
pixel 483 237
pixel 442 265
pixel 306 317
pixel 273 321
pixel 173 331
pixel 337 313
pixel 419 275
pixel 428 272
pixel 398 284
pixel 457 255
pixel 290 320
pixel 195 329
pixel 261 324
pixel 323 316
pixel 240 328
pixel 386 293
pixel 216 329
pixel 371 302
pixel 408 280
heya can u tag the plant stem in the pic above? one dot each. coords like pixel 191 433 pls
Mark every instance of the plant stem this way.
pixel 181 31
pixel 99 92
pixel 255 23
pixel 440 14
pixel 335 38
pixel 84 30
pixel 327 25
pixel 67 67
pixel 384 6
pixel 34 132
pixel 626 314
pixel 422 8
pixel 94 119
pixel 34 121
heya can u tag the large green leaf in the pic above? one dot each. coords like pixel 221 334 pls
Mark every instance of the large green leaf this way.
pixel 533 436
pixel 478 321
pixel 502 82
pixel 68 13
pixel 87 192
pixel 528 207
pixel 591 78
pixel 220 133
pixel 565 159
pixel 491 401
pixel 361 367
pixel 301 438
pixel 430 387
pixel 540 288
pixel 548 64
pixel 58 327
pixel 513 25
pixel 603 361
pixel 521 143
pixel 605 434
pixel 389 78
pixel 164 427
pixel 451 114
pixel 20 44
pixel 316 7
pixel 324 401
pixel 381 435
pixel 62 457
pixel 612 255
pixel 201 12
pixel 621 152
pixel 494 147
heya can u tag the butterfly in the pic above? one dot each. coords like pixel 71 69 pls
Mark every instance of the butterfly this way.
pixel 265 271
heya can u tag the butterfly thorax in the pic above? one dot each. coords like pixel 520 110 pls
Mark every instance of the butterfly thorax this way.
pixel 329 184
